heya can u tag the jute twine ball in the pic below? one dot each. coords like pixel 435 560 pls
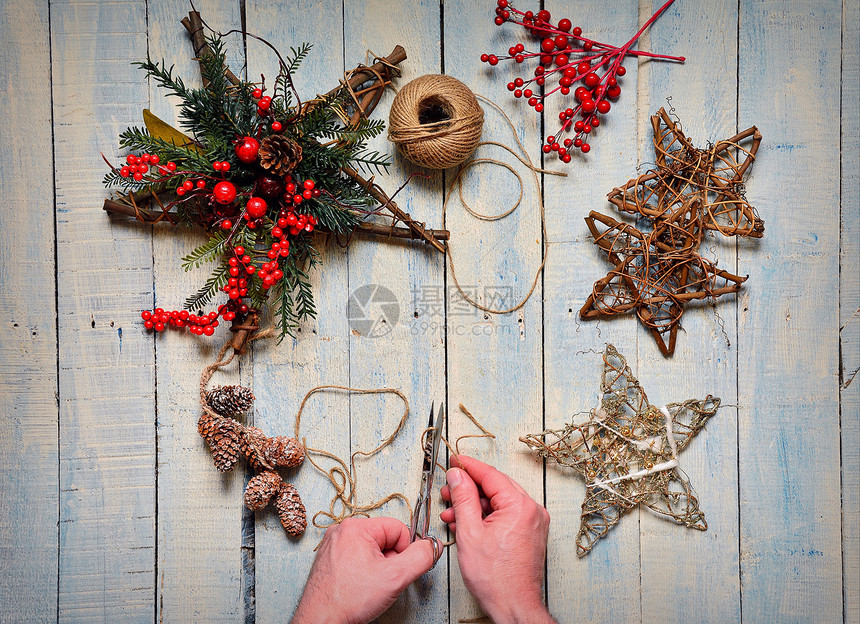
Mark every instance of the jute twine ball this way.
pixel 436 121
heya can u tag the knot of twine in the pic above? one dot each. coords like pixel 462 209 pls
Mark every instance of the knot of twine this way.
pixel 436 121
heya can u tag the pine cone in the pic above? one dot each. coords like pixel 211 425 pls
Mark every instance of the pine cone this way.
pixel 261 489
pixel 230 400
pixel 284 451
pixel 254 442
pixel 279 154
pixel 291 510
pixel 224 438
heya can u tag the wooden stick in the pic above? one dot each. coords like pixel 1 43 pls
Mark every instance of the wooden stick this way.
pixel 194 25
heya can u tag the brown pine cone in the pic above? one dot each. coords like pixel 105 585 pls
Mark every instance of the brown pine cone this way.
pixel 284 451
pixel 279 154
pixel 291 510
pixel 230 400
pixel 261 489
pixel 224 438
pixel 253 446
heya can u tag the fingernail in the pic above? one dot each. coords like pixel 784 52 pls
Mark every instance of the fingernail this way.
pixel 454 477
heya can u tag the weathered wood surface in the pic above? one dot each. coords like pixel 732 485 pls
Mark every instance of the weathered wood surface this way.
pixel 111 510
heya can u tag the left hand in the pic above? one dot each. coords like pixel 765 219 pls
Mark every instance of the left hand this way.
pixel 362 566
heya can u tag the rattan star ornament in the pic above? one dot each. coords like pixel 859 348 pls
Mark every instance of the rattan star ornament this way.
pixel 656 272
pixel 627 450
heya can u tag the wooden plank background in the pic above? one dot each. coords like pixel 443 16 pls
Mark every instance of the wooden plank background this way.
pixel 110 508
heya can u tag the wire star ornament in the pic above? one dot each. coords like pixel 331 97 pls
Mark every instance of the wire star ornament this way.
pixel 627 451
pixel 692 191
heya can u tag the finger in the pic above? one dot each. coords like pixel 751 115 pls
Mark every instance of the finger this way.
pixel 445 491
pixel 447 515
pixel 464 498
pixel 415 560
pixel 491 481
pixel 388 533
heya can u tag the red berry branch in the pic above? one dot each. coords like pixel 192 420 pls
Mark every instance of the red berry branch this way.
pixel 568 57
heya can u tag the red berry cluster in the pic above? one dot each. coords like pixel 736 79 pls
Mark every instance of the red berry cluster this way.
pixel 138 165
pixel 264 105
pixel 159 320
pixel 569 57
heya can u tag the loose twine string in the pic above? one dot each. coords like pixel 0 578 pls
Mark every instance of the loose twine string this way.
pixel 458 183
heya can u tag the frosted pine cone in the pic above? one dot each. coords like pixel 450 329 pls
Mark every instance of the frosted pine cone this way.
pixel 279 154
pixel 224 438
pixel 291 510
pixel 284 451
pixel 253 445
pixel 261 489
pixel 230 400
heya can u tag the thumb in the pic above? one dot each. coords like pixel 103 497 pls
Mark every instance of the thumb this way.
pixel 414 560
pixel 465 499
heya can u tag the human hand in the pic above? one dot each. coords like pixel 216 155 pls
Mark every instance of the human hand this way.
pixel 501 541
pixel 362 566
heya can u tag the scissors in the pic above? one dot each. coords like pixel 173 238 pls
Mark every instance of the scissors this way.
pixel 421 514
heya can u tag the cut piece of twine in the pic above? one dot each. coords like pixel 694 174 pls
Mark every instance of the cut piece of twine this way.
pixel 458 183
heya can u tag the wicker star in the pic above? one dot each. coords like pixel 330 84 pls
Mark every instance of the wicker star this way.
pixel 654 274
pixel 714 177
pixel 627 450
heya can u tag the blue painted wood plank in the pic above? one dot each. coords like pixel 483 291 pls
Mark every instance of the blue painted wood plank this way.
pixel 107 424
pixel 319 353
pixel 200 574
pixel 687 574
pixel 28 340
pixel 788 394
pixel 572 366
pixel 849 311
pixel 494 360
pixel 404 357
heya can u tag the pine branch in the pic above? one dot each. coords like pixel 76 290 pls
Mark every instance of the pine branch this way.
pixel 207 252
pixel 206 292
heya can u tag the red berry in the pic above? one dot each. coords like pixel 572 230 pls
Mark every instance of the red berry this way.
pixel 226 224
pixel 493 60
pixel 154 159
pixel 276 126
pixel 309 184
pixel 257 93
pixel 498 21
pixel 564 24
pixel 603 106
pixel 565 158
pixel 561 60
pixel 130 159
pixel 239 250
pixel 138 176
pixel 621 71
pixel 297 199
pixel 159 326
pixel 245 259
pixel 613 92
pixel 216 166
pixel 264 103
pixel 146 315
pixel 171 166
pixel 125 172
pixel 256 207
pixel 543 15
pixel 247 149
pixel 585 148
pixel 591 80
pixel 180 191
pixel 547 45
pixel 561 42
pixel 485 58
pixel 188 185
pixel 145 158
pixel 201 184
pixel 148 324
pixel 588 106
pixel 277 232
pixel 583 67
pixel 224 192
pixel 539 108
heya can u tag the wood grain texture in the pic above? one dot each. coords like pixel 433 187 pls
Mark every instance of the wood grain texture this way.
pixel 200 510
pixel 319 354
pixel 849 310
pixel 494 360
pixel 788 366
pixel 28 338
pixel 106 376
pixel 580 589
pixel 704 564
pixel 404 357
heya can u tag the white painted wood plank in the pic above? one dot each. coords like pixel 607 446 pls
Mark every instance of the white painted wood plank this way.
pixel 571 370
pixel 688 574
pixel 107 424
pixel 788 393
pixel 494 361
pixel 28 340
pixel 199 574
pixel 849 310
pixel 406 358
pixel 319 354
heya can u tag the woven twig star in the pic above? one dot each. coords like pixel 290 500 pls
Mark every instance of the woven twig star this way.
pixel 714 177
pixel 654 274
pixel 691 191
pixel 627 450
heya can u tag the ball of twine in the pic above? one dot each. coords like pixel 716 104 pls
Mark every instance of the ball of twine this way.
pixel 436 121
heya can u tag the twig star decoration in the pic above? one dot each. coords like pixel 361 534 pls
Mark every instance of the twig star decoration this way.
pixel 627 450
pixel 691 191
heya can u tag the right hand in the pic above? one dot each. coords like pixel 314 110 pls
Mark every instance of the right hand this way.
pixel 501 541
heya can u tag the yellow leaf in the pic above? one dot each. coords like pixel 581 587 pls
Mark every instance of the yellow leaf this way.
pixel 164 131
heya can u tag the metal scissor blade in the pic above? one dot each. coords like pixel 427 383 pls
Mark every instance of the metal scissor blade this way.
pixel 421 514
